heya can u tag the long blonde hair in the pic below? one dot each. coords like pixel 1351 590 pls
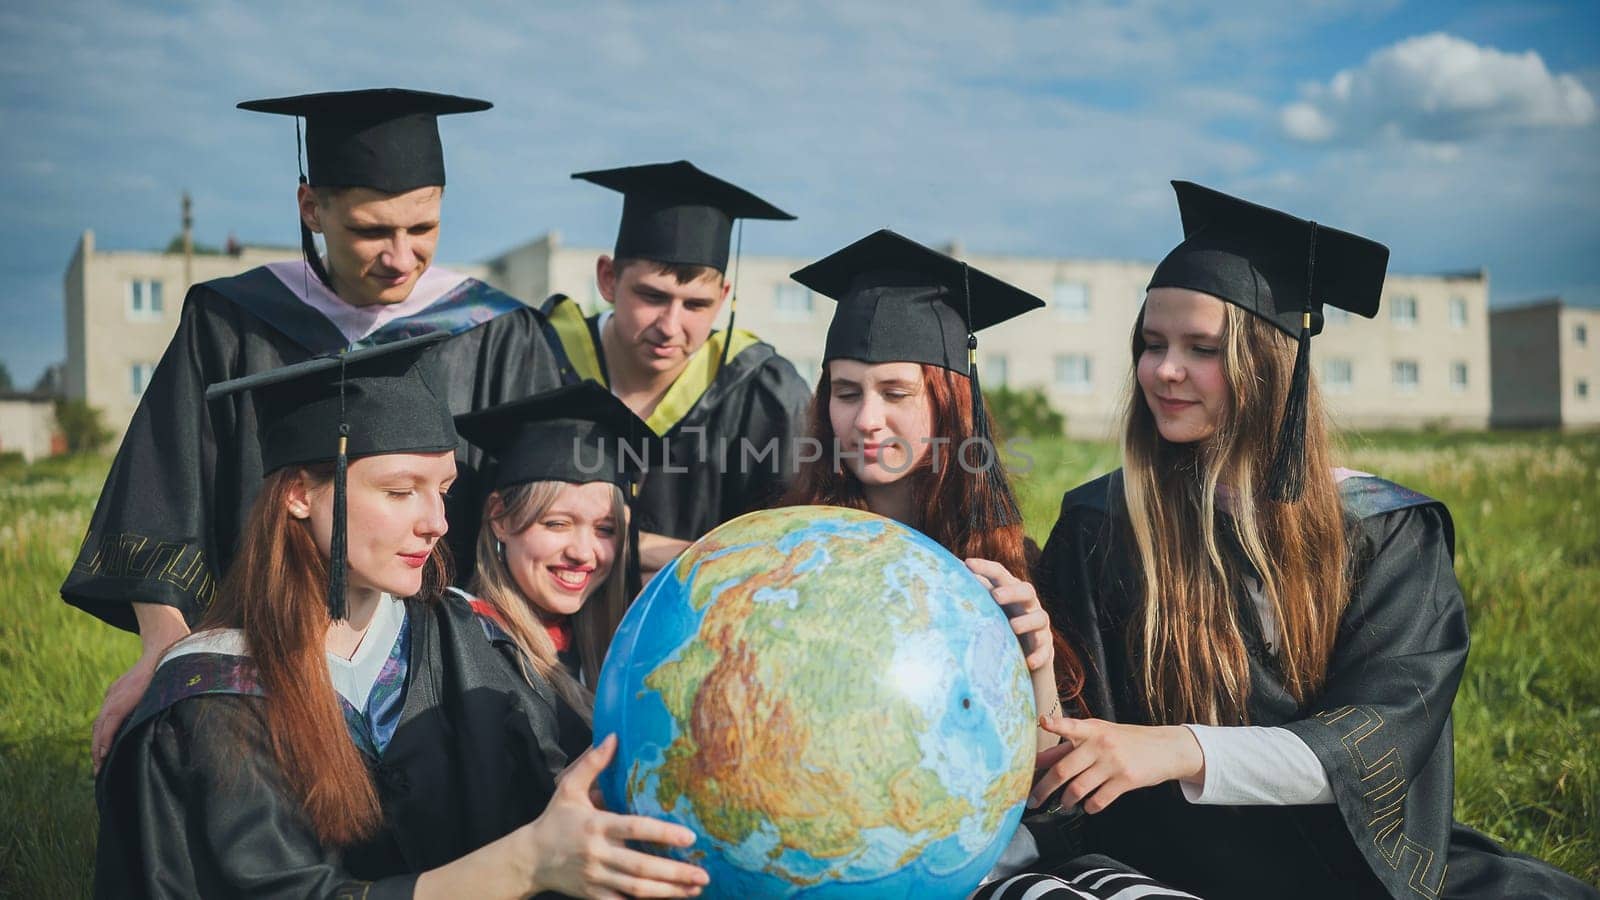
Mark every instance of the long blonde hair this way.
pixel 1193 665
pixel 517 509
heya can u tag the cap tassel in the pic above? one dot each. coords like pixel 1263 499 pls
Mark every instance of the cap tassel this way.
pixel 733 295
pixel 338 605
pixel 999 508
pixel 1286 478
pixel 308 245
pixel 633 573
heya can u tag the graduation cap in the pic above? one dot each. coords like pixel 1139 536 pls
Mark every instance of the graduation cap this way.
pixel 578 434
pixel 376 400
pixel 383 138
pixel 900 301
pixel 675 213
pixel 1283 269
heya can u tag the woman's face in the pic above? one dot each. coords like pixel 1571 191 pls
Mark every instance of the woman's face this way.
pixel 882 418
pixel 566 554
pixel 394 516
pixel 1180 371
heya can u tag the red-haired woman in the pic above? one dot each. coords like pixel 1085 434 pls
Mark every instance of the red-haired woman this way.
pixel 319 736
pixel 904 434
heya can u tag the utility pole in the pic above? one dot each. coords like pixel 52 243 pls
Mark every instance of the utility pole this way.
pixel 188 243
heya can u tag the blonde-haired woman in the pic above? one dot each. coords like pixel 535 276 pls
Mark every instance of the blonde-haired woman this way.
pixel 556 569
pixel 1273 644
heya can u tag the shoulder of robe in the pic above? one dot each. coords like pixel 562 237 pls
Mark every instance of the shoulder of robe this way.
pixel 1092 496
pixel 1374 502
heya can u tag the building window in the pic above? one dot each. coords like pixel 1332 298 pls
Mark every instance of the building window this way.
pixel 793 301
pixel 1458 312
pixel 1333 315
pixel 1337 376
pixel 139 377
pixel 1405 376
pixel 1073 373
pixel 144 299
pixel 996 371
pixel 1071 299
pixel 1403 311
pixel 1580 333
pixel 1458 377
pixel 1583 388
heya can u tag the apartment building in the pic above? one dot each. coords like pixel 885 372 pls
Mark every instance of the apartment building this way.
pixel 1423 361
pixel 1545 357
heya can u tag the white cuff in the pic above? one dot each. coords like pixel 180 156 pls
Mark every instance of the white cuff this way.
pixel 1256 766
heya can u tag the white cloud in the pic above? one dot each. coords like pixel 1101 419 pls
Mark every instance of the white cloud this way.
pixel 1437 88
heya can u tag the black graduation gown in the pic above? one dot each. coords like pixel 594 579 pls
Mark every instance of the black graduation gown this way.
pixel 709 418
pixel 575 734
pixel 192 803
pixel 1381 726
pixel 169 515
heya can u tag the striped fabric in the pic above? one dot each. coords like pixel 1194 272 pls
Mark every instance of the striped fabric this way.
pixel 1098 883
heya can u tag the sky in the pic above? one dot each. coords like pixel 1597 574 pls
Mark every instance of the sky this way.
pixel 1464 135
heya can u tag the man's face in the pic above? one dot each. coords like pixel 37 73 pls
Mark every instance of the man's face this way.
pixel 658 322
pixel 378 244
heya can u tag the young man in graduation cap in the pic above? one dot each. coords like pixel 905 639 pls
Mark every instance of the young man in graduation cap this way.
pixel 728 406
pixel 170 512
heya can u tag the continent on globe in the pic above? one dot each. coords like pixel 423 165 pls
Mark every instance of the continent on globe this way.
pixel 830 700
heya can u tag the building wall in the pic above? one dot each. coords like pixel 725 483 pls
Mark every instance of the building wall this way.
pixel 1077 348
pixel 1579 342
pixel 114 343
pixel 1526 364
pixel 28 426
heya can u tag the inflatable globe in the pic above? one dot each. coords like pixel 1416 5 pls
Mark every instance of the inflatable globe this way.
pixel 831 701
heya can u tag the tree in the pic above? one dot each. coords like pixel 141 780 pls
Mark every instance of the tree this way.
pixel 5 378
pixel 1023 413
pixel 82 425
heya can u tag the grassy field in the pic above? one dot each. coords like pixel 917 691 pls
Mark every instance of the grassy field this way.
pixel 1527 510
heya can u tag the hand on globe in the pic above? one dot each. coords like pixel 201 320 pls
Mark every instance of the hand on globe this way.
pixel 1100 761
pixel 582 850
pixel 1021 605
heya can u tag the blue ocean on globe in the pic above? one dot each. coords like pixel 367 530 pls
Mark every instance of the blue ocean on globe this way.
pixel 831 701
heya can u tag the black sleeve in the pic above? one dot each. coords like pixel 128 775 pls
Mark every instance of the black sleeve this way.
pixel 1381 724
pixel 189 808
pixel 774 416
pixel 150 539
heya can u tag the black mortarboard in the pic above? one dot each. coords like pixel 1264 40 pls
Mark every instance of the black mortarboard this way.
pixel 386 139
pixel 1283 269
pixel 675 213
pixel 902 302
pixel 383 399
pixel 578 433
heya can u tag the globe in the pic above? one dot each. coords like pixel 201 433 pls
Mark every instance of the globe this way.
pixel 831 701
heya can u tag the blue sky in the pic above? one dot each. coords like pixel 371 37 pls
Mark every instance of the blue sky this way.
pixel 1463 135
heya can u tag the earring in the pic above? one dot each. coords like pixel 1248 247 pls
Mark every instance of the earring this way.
pixel 500 550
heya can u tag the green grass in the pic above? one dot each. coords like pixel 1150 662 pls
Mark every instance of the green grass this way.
pixel 1527 511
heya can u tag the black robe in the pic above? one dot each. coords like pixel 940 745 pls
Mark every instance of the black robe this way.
pixel 730 433
pixel 183 480
pixel 1381 725
pixel 192 803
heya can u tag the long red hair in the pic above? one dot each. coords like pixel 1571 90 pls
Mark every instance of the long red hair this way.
pixel 275 592
pixel 942 494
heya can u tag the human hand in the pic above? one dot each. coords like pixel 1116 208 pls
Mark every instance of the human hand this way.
pixel 1099 761
pixel 582 850
pixel 121 697
pixel 1020 602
